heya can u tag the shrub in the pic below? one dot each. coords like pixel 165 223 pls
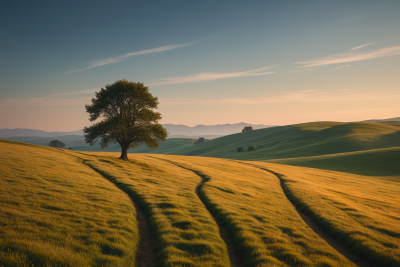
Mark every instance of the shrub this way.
pixel 247 129
pixel 56 143
pixel 239 149
pixel 201 140
pixel 251 148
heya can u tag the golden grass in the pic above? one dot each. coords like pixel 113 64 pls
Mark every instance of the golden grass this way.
pixel 185 233
pixel 55 211
pixel 65 208
pixel 362 211
pixel 252 206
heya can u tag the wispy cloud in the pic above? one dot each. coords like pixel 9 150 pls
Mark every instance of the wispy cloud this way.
pixel 361 46
pixel 115 59
pixel 341 95
pixel 300 96
pixel 351 57
pixel 202 77
pixel 342 67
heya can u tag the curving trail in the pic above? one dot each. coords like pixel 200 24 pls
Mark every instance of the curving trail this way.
pixel 234 255
pixel 146 250
pixel 309 220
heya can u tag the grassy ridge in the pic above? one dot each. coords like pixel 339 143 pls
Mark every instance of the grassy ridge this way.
pixel 185 233
pixel 300 140
pixel 54 211
pixel 363 212
pixel 252 206
pixel 376 162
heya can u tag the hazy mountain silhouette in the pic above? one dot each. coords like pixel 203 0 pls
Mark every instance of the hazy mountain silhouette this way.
pixel 219 129
pixel 18 132
pixel 384 120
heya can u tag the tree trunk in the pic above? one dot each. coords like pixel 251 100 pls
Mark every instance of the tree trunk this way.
pixel 124 153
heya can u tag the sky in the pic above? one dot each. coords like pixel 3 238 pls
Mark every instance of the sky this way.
pixel 208 62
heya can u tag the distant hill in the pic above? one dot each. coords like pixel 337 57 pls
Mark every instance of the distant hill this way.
pixel 18 132
pixel 173 130
pixel 375 162
pixel 219 129
pixel 299 140
pixel 384 120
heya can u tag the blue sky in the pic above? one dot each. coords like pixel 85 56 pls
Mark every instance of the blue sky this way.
pixel 209 62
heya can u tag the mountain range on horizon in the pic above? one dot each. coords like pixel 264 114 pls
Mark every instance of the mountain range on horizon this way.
pixel 173 129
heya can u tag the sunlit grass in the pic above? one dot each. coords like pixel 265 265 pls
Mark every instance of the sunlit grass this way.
pixel 252 206
pixel 65 208
pixel 55 211
pixel 185 233
pixel 361 211
pixel 298 140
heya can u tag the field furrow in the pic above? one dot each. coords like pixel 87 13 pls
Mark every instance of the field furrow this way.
pixel 253 209
pixel 236 259
pixel 310 221
pixel 185 233
pixel 146 249
pixel 360 212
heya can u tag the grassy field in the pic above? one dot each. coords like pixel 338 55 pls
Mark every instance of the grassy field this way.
pixel 77 142
pixel 382 162
pixel 251 205
pixel 67 208
pixel 299 140
pixel 56 211
pixel 363 212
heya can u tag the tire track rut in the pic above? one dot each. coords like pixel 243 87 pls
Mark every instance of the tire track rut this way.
pixel 234 255
pixel 146 249
pixel 310 221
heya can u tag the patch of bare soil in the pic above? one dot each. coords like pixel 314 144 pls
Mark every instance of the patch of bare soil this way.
pixel 146 252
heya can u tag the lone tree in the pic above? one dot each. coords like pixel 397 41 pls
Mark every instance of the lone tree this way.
pixel 126 110
pixel 56 143
pixel 239 149
pixel 247 129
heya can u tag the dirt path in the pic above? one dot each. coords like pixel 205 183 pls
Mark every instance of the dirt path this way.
pixel 234 255
pixel 146 250
pixel 310 221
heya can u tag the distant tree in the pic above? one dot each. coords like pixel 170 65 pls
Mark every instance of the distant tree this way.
pixel 126 110
pixel 251 148
pixel 201 140
pixel 70 148
pixel 56 143
pixel 240 149
pixel 247 129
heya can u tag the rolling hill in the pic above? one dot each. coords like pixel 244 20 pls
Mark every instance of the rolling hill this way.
pixel 67 208
pixel 299 140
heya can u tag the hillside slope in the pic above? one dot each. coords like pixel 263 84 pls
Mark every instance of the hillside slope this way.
pixel 56 211
pixel 299 140
pixel 375 162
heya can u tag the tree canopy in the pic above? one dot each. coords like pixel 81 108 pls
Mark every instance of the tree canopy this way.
pixel 247 129
pixel 127 117
pixel 56 143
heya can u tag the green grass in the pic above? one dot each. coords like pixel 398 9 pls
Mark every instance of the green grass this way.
pixel 376 162
pixel 55 211
pixel 78 144
pixel 66 208
pixel 363 212
pixel 300 140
